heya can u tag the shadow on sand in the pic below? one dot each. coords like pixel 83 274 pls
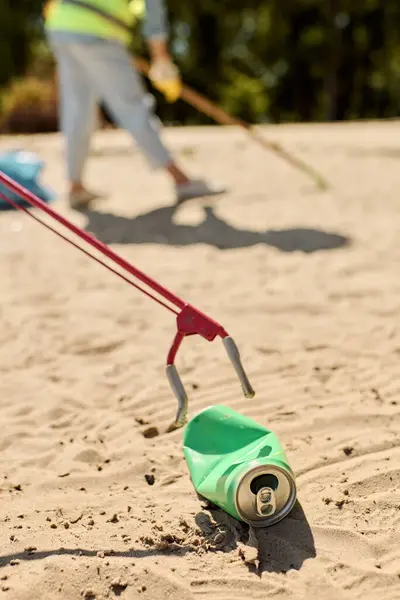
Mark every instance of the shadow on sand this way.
pixel 158 227
pixel 279 548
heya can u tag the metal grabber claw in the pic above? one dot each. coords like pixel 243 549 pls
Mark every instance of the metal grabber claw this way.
pixel 190 321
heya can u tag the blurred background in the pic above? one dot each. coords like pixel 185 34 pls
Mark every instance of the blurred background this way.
pixel 266 62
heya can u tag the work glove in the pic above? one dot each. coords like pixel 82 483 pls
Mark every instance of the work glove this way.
pixel 48 8
pixel 165 76
pixel 138 9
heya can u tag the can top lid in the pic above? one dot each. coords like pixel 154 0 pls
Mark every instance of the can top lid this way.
pixel 265 493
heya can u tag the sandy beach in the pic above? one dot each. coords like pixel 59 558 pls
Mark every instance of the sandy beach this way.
pixel 308 285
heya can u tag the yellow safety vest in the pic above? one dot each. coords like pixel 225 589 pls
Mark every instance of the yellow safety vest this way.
pixel 60 16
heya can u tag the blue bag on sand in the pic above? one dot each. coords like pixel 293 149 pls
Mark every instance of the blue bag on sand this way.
pixel 24 168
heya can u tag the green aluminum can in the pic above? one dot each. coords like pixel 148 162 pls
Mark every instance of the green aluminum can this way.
pixel 239 465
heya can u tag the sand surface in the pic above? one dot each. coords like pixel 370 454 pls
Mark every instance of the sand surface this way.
pixel 307 283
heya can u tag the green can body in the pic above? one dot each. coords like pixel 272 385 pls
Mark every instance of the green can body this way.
pixel 236 463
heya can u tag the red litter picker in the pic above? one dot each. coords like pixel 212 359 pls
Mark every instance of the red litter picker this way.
pixel 190 321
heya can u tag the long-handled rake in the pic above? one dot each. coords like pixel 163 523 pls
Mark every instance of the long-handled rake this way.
pixel 205 106
pixel 190 321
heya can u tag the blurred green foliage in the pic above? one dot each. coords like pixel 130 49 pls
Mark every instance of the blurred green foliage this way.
pixel 272 61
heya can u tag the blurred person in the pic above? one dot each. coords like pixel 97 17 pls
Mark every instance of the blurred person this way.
pixel 89 40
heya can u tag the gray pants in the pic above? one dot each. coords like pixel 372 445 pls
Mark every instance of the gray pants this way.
pixel 93 69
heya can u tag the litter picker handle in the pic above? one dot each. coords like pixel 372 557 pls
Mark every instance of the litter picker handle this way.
pixel 233 352
pixel 190 321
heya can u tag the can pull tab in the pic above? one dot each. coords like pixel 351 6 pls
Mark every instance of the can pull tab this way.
pixel 266 502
